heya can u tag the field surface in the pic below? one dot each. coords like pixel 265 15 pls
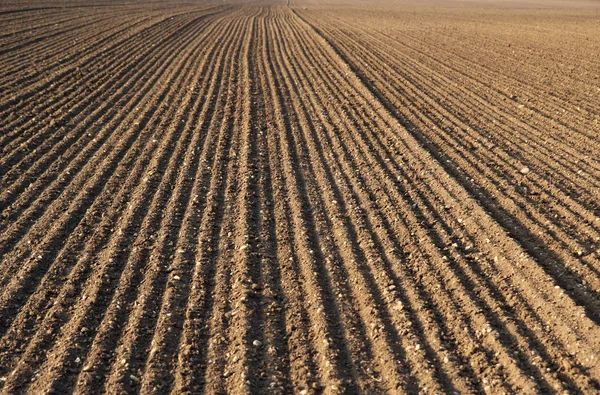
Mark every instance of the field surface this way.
pixel 302 197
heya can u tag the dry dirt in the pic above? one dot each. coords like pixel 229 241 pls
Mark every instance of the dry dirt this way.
pixel 299 197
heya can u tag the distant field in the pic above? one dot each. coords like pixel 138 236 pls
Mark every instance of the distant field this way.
pixel 375 197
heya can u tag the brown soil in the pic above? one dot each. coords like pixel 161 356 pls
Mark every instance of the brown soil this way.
pixel 299 197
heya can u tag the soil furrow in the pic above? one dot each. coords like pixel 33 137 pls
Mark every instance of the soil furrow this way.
pixel 147 183
pixel 299 197
pixel 160 367
pixel 104 140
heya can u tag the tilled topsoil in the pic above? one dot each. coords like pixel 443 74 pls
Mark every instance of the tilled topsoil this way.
pixel 299 197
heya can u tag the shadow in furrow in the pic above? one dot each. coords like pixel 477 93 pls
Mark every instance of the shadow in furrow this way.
pixel 552 264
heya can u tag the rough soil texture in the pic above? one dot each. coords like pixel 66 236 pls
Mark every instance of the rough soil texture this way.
pixel 299 197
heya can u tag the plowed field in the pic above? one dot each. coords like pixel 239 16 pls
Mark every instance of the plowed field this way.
pixel 299 198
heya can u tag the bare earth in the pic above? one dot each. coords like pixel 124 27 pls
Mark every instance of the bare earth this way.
pixel 375 197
